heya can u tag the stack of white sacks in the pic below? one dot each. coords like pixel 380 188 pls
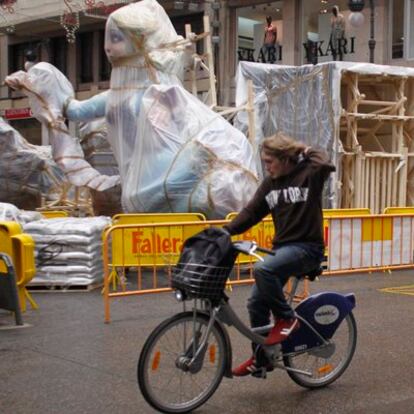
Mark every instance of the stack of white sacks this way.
pixel 68 250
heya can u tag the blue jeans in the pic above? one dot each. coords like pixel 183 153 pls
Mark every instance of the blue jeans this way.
pixel 271 275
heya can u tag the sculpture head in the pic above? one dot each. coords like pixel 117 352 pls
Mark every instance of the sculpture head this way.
pixel 141 30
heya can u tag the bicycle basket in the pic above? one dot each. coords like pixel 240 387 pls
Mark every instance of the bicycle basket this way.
pixel 200 281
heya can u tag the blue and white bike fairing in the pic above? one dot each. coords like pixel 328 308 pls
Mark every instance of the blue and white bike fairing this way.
pixel 320 315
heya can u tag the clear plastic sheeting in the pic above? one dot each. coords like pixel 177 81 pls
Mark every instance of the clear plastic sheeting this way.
pixel 93 137
pixel 295 100
pixel 187 158
pixel 27 171
pixel 174 154
pixel 68 250
pixel 48 91
pixel 9 212
pixel 304 102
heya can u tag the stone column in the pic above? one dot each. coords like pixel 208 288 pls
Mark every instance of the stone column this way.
pixel 4 64
pixel 291 32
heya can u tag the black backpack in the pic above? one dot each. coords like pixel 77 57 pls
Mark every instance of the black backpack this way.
pixel 206 260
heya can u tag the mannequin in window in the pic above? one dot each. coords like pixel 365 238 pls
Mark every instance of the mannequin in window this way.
pixel 337 40
pixel 269 41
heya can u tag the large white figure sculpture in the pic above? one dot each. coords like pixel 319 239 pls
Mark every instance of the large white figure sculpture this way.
pixel 27 172
pixel 174 153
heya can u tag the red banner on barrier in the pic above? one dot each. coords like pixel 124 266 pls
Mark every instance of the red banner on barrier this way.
pixel 18 113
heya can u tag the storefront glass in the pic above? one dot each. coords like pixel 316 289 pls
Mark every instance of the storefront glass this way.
pixel 29 128
pixel 332 38
pixel 260 39
pixel 397 12
pixel 411 30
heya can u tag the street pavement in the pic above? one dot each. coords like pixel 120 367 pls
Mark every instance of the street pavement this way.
pixel 69 361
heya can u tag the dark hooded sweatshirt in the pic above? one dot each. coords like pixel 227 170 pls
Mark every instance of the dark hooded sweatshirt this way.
pixel 294 200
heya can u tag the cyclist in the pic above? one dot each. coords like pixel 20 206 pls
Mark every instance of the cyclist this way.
pixel 292 193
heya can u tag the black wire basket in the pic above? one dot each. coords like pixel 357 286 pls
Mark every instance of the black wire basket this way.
pixel 200 281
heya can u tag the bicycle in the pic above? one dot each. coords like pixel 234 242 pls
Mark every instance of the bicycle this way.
pixel 185 358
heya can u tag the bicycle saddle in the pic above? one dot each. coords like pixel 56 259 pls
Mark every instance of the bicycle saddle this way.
pixel 312 274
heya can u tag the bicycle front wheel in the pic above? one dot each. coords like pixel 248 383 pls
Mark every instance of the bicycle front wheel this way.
pixel 164 380
pixel 325 364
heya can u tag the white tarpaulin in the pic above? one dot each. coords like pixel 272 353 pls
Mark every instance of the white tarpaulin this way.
pixel 25 169
pixel 173 152
pixel 303 102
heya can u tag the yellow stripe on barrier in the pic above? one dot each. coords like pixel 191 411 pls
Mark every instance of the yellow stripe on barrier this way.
pixel 399 210
pixel 137 245
pixel 49 214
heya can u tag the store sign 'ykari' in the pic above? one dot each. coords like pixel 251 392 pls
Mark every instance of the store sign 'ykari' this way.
pixel 345 46
pixel 264 55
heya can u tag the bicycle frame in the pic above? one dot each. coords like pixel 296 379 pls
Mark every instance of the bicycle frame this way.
pixel 319 316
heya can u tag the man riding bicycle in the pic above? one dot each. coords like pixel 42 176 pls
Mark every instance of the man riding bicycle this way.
pixel 292 193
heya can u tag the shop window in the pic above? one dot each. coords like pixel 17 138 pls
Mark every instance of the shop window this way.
pixel 397 29
pixel 17 55
pixel 58 53
pixel 30 129
pixel 85 48
pixel 104 65
pixel 332 38
pixel 411 30
pixel 196 22
pixel 259 39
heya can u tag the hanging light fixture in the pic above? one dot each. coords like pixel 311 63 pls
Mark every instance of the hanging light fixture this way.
pixel 69 20
pixel 193 6
pixel 178 5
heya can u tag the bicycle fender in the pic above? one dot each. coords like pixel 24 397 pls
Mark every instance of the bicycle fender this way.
pixel 228 351
pixel 324 311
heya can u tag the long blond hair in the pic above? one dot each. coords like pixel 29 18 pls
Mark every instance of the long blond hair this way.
pixel 283 147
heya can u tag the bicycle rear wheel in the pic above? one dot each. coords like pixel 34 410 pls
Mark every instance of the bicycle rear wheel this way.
pixel 164 381
pixel 326 364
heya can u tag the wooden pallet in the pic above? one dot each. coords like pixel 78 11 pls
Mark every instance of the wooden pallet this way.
pixel 62 287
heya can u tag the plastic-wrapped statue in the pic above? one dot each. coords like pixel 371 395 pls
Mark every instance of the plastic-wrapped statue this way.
pixel 27 171
pixel 174 153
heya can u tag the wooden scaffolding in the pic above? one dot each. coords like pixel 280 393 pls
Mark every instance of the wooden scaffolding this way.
pixel 376 131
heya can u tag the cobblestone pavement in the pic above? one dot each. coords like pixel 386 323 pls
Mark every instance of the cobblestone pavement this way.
pixel 69 361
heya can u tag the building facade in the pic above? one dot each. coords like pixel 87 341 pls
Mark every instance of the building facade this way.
pixel 238 28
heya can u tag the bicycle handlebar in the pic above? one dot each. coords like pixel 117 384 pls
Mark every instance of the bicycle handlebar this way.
pixel 250 247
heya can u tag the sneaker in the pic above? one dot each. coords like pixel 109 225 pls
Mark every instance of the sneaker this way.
pixel 250 368
pixel 282 329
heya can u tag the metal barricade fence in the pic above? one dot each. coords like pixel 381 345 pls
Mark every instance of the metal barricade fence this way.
pixel 370 243
pixel 143 254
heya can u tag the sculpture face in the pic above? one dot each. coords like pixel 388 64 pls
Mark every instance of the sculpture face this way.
pixel 117 44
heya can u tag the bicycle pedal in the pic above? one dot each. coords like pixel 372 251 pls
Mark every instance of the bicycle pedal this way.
pixel 260 373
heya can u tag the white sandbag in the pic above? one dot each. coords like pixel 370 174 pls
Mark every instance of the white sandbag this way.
pixel 81 226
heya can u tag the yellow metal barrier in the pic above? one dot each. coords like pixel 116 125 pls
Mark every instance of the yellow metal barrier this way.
pixel 54 214
pixel 370 243
pixel 339 212
pixel 399 210
pixel 153 268
pixel 7 230
pixel 137 246
pixel 20 248
pixel 363 243
pixel 24 263
pixel 138 218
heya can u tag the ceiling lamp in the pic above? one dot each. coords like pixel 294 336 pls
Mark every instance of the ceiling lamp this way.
pixel 178 5
pixel 193 6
